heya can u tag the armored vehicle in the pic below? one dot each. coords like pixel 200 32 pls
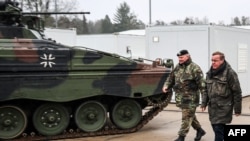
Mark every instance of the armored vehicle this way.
pixel 53 91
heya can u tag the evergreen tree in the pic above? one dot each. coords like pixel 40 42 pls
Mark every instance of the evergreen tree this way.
pixel 244 20
pixel 188 21
pixel 97 27
pixel 107 26
pixel 85 26
pixel 78 24
pixel 124 20
pixel 63 22
pixel 237 21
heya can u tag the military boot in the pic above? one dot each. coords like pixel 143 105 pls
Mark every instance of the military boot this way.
pixel 180 138
pixel 200 132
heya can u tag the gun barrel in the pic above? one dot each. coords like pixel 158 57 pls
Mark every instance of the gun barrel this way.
pixel 49 13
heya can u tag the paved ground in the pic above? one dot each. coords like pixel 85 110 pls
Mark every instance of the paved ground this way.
pixel 165 126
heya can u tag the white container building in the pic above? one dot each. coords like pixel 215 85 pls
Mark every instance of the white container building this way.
pixel 63 36
pixel 201 41
pixel 165 41
pixel 129 43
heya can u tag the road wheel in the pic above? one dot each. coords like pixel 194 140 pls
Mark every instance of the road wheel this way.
pixel 51 119
pixel 91 116
pixel 126 114
pixel 13 122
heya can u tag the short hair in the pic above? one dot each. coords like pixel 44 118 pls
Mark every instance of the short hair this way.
pixel 222 56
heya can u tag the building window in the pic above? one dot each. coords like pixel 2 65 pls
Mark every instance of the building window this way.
pixel 155 39
pixel 242 57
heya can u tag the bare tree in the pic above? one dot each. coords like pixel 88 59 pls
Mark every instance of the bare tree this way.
pixel 48 5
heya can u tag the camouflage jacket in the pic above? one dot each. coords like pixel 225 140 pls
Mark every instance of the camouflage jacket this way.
pixel 187 82
pixel 223 95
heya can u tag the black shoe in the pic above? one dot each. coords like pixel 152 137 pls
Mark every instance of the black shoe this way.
pixel 199 134
pixel 180 138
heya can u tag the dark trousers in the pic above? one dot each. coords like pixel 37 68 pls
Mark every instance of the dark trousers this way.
pixel 218 131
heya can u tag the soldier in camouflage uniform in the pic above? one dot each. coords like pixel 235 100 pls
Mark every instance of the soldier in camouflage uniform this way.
pixel 223 94
pixel 187 81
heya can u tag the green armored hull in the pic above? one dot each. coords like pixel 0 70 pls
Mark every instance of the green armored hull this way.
pixel 49 90
pixel 41 70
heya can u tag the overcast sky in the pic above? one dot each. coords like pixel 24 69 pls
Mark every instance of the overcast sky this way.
pixel 169 10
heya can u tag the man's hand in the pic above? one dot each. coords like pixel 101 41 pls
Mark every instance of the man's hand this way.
pixel 164 89
pixel 203 109
pixel 236 114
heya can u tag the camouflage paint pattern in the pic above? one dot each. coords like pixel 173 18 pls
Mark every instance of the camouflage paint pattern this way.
pixel 187 82
pixel 223 96
pixel 35 69
pixel 41 79
pixel 188 119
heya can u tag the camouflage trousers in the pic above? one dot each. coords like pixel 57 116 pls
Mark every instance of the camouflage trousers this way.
pixel 188 119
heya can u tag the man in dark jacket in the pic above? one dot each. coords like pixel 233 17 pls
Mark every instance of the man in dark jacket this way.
pixel 223 94
pixel 187 81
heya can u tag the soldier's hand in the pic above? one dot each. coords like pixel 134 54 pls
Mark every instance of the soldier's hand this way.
pixel 236 114
pixel 164 89
pixel 203 109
